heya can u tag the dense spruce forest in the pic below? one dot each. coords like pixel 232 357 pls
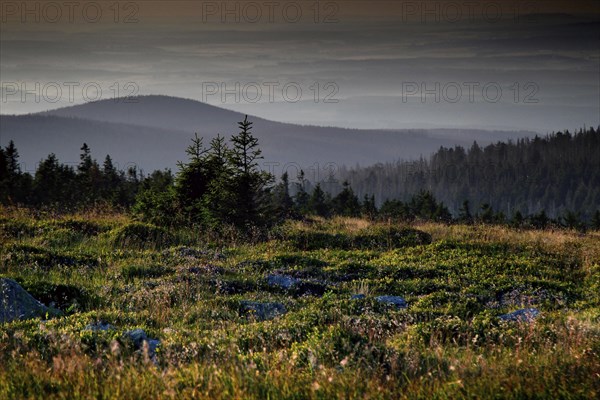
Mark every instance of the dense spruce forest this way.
pixel 535 183
pixel 556 174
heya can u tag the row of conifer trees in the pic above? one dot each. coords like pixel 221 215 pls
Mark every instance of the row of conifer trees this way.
pixel 222 184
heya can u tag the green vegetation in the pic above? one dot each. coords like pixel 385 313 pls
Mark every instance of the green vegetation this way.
pixel 191 289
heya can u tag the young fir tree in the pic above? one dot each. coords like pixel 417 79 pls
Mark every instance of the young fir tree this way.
pixel 464 213
pixel 192 181
pixel 487 214
pixel 89 177
pixel 517 219
pixel 394 209
pixel 302 198
pixel 249 184
pixel 442 214
pixel 12 161
pixel 318 203
pixel 155 201
pixel 572 220
pixel 346 203
pixel 368 207
pixel 218 202
pixel 54 184
pixel 85 160
pixel 15 185
pixel 423 205
pixel 111 182
pixel 539 220
pixel 283 204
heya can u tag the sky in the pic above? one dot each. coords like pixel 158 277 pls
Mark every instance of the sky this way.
pixel 518 65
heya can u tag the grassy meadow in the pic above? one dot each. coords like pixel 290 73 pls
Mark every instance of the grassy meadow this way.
pixel 185 287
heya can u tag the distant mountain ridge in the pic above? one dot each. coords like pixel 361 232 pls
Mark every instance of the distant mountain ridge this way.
pixel 155 111
pixel 152 132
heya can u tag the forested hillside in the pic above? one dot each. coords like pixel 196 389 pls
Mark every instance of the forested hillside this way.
pixel 555 173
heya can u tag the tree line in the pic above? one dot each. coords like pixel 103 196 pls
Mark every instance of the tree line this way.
pixel 556 174
pixel 65 187
pixel 222 184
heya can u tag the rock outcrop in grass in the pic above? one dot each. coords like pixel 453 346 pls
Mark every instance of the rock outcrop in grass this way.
pixel 16 303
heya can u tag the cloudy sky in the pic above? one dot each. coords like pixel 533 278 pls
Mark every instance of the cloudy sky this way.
pixel 354 63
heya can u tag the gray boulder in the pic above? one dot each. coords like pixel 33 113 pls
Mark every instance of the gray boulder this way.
pixel 16 303
pixel 359 296
pixel 262 311
pixel 282 281
pixel 522 315
pixel 392 300
pixel 138 337
pixel 298 287
pixel 99 326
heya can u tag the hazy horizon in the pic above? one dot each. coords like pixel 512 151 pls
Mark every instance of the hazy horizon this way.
pixel 353 64
pixel 308 124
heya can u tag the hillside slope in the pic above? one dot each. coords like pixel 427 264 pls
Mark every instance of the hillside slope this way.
pixel 153 131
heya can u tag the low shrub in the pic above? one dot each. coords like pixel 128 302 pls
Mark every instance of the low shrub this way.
pixel 140 235
pixel 380 238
